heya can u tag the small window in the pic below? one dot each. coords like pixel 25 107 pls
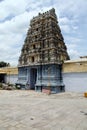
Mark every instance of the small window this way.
pixel 48 43
pixel 36 37
pixel 48 55
pixel 43 44
pixel 36 29
pixel 32 59
pixel 33 46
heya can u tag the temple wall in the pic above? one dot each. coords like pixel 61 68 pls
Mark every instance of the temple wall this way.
pixel 75 82
pixel 11 79
pixel 75 75
pixel 41 76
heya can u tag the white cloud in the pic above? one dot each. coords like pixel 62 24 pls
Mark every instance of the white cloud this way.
pixel 15 25
pixel 68 25
pixel 11 8
pixel 74 54
pixel 73 45
pixel 65 28
pixel 72 50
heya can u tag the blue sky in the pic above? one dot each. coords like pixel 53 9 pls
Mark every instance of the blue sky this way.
pixel 15 17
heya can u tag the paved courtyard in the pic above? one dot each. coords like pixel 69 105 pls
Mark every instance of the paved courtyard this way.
pixel 29 110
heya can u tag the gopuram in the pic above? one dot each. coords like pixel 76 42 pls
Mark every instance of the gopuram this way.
pixel 42 55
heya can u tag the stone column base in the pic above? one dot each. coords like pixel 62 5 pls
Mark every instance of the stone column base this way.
pixel 47 91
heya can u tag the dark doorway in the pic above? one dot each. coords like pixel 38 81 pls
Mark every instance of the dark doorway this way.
pixel 33 77
pixel 2 78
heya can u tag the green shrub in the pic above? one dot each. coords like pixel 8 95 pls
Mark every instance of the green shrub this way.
pixel 18 87
pixel 1 85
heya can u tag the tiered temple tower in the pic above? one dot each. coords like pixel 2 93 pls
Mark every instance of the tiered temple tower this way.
pixel 42 55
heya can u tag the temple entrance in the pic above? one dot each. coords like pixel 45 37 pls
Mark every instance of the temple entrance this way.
pixel 33 77
pixel 2 78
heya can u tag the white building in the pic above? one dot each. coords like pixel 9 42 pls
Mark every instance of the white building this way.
pixel 75 75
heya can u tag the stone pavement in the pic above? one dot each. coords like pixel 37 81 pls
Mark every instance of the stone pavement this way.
pixel 29 110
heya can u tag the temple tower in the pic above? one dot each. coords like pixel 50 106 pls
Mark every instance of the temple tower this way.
pixel 42 55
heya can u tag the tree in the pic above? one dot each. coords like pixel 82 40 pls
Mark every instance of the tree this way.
pixel 4 64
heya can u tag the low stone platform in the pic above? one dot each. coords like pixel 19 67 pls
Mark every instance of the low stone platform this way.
pixel 29 110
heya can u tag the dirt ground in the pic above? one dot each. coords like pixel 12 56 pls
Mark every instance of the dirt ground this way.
pixel 30 110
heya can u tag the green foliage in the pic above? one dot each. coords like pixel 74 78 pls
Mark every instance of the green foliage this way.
pixel 0 85
pixel 18 87
pixel 4 64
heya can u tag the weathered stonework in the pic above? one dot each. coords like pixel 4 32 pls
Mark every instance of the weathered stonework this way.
pixel 42 54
